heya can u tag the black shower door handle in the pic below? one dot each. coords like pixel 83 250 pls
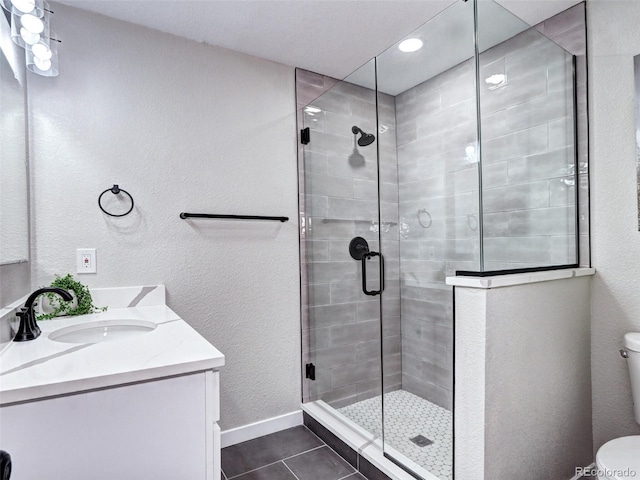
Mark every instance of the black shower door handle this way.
pixel 366 257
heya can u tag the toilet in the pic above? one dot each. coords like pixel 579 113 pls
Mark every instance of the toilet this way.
pixel 619 458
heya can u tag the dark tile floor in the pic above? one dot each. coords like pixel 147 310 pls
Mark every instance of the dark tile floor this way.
pixel 292 454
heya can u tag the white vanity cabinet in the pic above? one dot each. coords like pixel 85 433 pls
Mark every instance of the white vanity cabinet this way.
pixel 162 429
pixel 112 408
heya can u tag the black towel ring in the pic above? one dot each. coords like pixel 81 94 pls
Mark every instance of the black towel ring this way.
pixel 423 211
pixel 115 190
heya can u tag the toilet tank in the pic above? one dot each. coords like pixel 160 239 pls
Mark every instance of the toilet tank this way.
pixel 632 346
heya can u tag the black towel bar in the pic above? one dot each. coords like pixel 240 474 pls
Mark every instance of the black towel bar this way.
pixel 184 215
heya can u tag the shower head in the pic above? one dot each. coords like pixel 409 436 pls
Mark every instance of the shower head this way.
pixel 365 139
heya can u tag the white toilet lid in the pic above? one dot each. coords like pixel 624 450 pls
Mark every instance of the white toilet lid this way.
pixel 619 455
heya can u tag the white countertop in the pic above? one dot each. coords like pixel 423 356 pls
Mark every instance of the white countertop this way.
pixel 43 368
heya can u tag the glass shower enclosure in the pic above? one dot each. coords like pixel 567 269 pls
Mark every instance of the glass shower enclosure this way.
pixel 460 156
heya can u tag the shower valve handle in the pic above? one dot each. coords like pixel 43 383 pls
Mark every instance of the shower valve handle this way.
pixel 366 257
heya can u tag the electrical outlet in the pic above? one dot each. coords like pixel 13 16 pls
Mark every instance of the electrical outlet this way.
pixel 86 260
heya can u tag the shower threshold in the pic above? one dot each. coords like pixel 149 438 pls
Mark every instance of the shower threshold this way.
pixel 365 443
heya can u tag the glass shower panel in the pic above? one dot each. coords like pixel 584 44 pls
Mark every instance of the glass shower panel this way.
pixel 526 91
pixel 340 204
pixel 434 99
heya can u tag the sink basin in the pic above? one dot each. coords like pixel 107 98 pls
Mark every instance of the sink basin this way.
pixel 102 331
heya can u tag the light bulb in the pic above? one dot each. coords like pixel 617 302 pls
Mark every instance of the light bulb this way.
pixel 41 51
pixel 24 6
pixel 43 65
pixel 410 45
pixel 32 23
pixel 28 37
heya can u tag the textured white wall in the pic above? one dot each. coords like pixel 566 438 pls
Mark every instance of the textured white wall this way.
pixel 614 38
pixel 523 380
pixel 470 346
pixel 181 126
pixel 538 380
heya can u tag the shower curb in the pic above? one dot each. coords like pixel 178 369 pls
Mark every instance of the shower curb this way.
pixel 359 448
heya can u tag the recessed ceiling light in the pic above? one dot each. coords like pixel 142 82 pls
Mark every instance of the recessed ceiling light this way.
pixel 312 109
pixel 496 79
pixel 410 45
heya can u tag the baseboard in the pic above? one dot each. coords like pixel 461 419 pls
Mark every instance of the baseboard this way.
pixel 261 428
pixel 579 476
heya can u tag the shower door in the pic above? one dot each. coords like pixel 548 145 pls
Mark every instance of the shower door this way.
pixel 349 243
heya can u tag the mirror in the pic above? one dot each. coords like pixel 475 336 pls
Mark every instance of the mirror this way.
pixel 636 63
pixel 14 200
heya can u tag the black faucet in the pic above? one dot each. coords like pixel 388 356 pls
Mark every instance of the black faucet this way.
pixel 29 329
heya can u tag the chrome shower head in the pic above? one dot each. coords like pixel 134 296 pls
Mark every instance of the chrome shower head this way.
pixel 365 138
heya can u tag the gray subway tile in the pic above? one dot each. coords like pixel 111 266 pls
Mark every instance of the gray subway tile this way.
pixel 516 197
pixel 328 185
pixel 334 357
pixel 495 175
pixel 554 164
pixel 518 249
pixel 496 225
pixel 563 250
pixel 422 147
pixel 338 397
pixel 316 206
pixel 339 165
pixel 327 315
pixel 342 208
pixel 561 133
pixel 354 333
pixel 562 191
pixel 320 228
pixel 544 221
pixel 316 294
pixel 526 142
pixel 354 373
pixel 438 395
pixel 365 189
pixel 328 272
pixel 539 111
pixel 315 162
pixel 341 124
pixel 315 251
pixel 515 91
pixel 319 338
pixel 369 350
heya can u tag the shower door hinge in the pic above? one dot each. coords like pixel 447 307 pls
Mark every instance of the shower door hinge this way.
pixel 305 136
pixel 311 371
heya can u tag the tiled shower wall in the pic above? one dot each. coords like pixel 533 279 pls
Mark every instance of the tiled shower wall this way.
pixel 340 201
pixel 527 179
pixel 438 194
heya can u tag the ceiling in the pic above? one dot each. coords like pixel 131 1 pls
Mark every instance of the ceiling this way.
pixel 332 37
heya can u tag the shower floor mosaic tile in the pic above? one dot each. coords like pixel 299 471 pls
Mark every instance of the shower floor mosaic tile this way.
pixel 407 416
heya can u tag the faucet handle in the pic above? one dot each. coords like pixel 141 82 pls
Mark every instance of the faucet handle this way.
pixel 28 329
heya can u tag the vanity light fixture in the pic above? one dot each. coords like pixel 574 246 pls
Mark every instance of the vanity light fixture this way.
pixel 30 30
pixel 42 57
pixel 23 7
pixel 410 45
